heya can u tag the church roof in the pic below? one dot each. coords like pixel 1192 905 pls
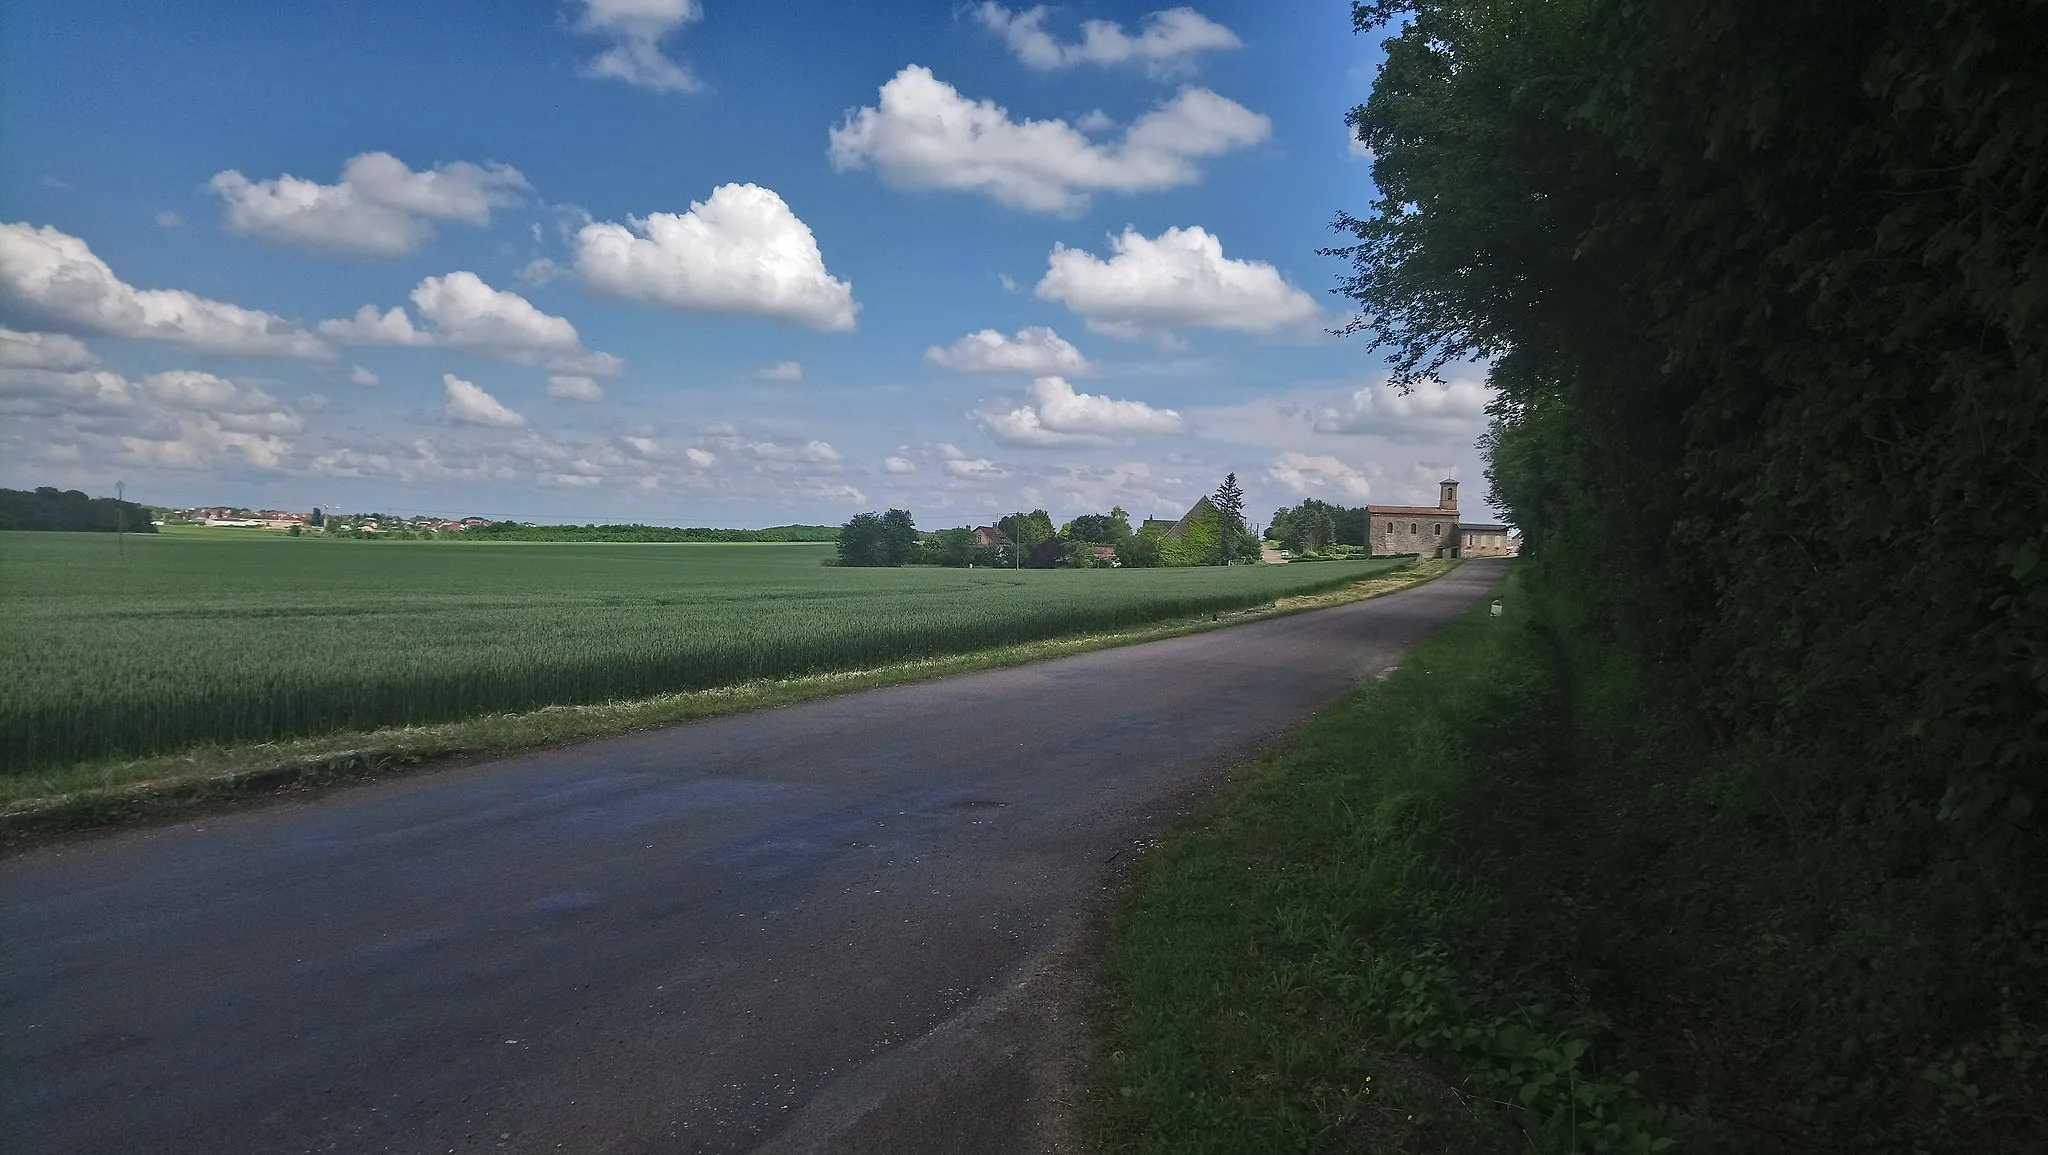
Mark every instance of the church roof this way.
pixel 1411 510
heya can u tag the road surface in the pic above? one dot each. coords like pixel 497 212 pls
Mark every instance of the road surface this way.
pixel 834 926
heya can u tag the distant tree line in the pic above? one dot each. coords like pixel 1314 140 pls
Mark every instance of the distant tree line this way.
pixel 49 508
pixel 1214 534
pixel 520 531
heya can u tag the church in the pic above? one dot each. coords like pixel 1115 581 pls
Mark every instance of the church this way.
pixel 1435 531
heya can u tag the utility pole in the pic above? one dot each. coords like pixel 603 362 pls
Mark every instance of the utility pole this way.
pixel 121 518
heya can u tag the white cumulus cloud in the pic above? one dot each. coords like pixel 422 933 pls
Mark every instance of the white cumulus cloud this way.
pixel 178 419
pixel 1181 277
pixel 963 465
pixel 378 208
pixel 1376 407
pixel 1166 43
pixel 636 29
pixel 461 311
pixel 185 389
pixel 1318 476
pixel 573 387
pixel 924 135
pixel 741 251
pixel 362 376
pixel 780 371
pixel 898 465
pixel 53 351
pixel 1035 351
pixel 804 453
pixel 1054 414
pixel 467 402
pixel 54 278
pixel 469 314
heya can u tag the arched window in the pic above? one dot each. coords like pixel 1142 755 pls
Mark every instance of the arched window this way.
pixel 1411 527
pixel 1439 527
pixel 1390 527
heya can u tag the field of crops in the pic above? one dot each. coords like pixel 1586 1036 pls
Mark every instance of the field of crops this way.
pixel 180 641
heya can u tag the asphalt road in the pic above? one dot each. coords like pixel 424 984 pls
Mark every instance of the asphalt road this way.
pixel 835 926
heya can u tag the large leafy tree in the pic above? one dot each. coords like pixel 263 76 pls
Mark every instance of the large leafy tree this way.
pixel 1112 528
pixel 886 539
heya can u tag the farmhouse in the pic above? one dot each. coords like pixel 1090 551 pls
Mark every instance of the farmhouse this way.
pixel 1435 531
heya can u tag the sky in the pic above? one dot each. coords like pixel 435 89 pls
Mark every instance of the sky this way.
pixel 695 262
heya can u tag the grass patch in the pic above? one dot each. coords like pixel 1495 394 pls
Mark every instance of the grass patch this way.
pixel 172 642
pixel 1502 901
pixel 106 792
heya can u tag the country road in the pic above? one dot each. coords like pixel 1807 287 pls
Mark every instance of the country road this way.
pixel 833 926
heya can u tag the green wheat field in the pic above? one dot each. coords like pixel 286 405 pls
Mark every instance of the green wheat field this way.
pixel 172 641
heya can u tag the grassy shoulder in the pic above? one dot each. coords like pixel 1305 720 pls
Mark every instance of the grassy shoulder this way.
pixel 1498 901
pixel 108 792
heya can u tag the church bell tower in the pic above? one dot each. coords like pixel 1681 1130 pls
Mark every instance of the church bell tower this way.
pixel 1447 494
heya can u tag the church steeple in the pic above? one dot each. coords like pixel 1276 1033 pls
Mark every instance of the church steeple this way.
pixel 1447 493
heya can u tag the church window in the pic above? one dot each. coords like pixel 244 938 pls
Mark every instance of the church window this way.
pixel 1439 527
pixel 1411 527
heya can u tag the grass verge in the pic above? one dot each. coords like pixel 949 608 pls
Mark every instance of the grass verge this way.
pixel 1505 901
pixel 110 792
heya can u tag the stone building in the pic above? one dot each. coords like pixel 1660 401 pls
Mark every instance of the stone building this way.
pixel 1435 531
pixel 1487 541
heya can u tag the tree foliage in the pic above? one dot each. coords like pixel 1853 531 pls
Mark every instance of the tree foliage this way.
pixel 886 539
pixel 1228 501
pixel 49 508
pixel 1112 528
pixel 1321 523
pixel 1764 291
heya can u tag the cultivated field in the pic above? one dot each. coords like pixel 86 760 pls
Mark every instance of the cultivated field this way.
pixel 183 640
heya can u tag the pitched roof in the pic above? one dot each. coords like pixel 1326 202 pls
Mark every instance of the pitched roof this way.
pixel 1468 527
pixel 1181 527
pixel 1411 510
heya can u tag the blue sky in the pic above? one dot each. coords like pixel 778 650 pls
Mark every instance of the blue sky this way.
pixel 693 261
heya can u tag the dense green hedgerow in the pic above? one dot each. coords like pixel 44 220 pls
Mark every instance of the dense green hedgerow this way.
pixel 1510 901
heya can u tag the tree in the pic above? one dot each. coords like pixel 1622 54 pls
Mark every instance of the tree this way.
pixel 1229 502
pixel 952 547
pixel 860 540
pixel 1111 529
pixel 1026 530
pixel 1048 554
pixel 1145 550
pixel 318 519
pixel 898 537
pixel 887 539
pixel 48 508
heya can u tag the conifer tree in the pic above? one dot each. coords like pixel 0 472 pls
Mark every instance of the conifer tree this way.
pixel 1229 503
